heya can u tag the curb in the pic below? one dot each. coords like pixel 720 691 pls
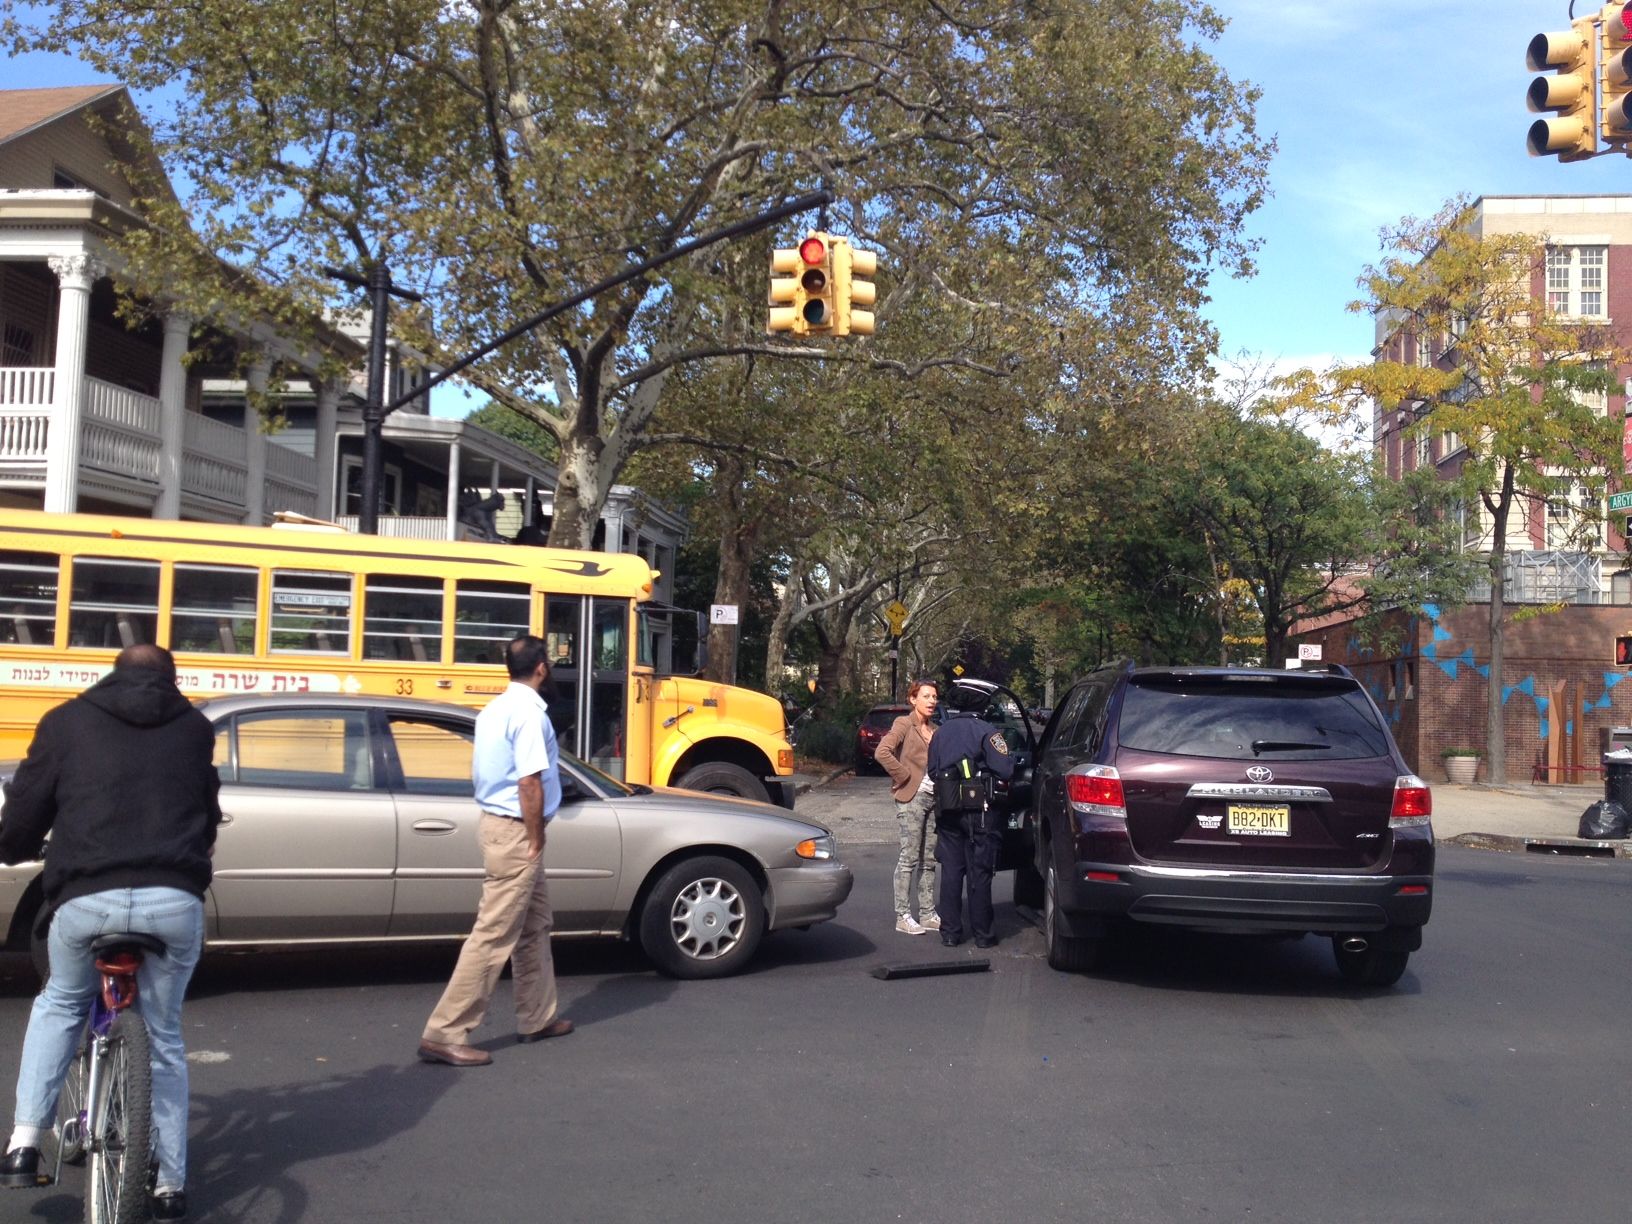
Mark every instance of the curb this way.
pixel 821 780
pixel 1572 847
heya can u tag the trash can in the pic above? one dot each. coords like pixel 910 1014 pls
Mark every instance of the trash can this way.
pixel 1618 776
pixel 1611 738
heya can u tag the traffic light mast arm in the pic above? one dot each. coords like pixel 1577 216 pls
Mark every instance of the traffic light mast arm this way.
pixel 750 225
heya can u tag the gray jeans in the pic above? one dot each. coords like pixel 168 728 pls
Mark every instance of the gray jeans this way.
pixel 916 819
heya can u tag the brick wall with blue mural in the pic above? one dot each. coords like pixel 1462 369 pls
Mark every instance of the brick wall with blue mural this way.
pixel 1429 672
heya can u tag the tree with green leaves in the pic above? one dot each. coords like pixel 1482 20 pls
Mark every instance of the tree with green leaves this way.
pixel 1312 531
pixel 1484 364
pixel 500 154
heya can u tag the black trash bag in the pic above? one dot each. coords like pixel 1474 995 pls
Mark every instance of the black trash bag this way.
pixel 1602 820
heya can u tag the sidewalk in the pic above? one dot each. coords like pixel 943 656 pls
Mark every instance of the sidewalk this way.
pixel 1518 817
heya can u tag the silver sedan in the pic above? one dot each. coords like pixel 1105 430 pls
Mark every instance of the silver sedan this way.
pixel 350 820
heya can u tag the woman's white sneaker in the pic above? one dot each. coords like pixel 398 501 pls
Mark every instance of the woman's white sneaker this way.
pixel 908 925
pixel 932 923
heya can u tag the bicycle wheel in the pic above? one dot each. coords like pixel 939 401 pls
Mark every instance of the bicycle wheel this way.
pixel 119 1139
pixel 71 1109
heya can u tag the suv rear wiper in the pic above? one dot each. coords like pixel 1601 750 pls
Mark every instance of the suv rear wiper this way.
pixel 1282 746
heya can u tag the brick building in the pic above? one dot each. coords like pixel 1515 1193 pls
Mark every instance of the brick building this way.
pixel 1567 587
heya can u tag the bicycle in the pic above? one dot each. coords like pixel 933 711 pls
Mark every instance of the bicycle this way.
pixel 104 1114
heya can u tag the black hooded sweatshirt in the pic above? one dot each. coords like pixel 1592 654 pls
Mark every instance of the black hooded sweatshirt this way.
pixel 122 779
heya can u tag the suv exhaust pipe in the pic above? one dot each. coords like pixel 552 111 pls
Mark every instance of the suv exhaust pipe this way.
pixel 1355 944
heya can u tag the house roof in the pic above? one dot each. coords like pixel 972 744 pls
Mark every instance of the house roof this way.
pixel 23 110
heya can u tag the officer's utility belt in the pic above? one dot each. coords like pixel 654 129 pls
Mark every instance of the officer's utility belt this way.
pixel 961 788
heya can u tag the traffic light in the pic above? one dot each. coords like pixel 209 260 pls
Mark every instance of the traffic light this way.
pixel 816 283
pixel 802 288
pixel 784 297
pixel 1572 133
pixel 849 292
pixel 1623 650
pixel 1615 71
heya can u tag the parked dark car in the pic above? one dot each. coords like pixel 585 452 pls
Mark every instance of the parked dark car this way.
pixel 873 725
pixel 1228 799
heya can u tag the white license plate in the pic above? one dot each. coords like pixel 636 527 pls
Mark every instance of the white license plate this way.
pixel 1260 819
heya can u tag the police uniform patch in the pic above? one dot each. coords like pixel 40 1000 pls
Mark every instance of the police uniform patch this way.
pixel 999 743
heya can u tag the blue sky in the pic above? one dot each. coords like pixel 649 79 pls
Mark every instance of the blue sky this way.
pixel 1382 109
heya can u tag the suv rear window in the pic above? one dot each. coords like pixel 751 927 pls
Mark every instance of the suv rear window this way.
pixel 1246 720
pixel 881 720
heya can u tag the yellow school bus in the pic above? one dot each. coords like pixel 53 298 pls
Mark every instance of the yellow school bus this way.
pixel 314 609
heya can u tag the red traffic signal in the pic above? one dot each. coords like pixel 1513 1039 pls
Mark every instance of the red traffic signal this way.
pixel 1623 650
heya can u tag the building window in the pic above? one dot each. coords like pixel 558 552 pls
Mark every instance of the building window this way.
pixel 1573 521
pixel 1575 281
pixel 17 346
pixel 351 475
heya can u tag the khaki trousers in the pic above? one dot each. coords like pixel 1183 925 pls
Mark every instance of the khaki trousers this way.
pixel 512 923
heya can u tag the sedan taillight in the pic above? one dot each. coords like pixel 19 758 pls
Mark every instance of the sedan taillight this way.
pixel 1096 790
pixel 1413 802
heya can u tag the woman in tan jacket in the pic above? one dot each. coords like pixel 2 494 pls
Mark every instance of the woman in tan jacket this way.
pixel 904 754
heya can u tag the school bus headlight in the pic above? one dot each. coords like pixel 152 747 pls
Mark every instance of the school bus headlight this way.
pixel 815 847
pixel 784 758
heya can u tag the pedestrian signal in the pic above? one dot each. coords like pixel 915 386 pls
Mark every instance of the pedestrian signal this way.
pixel 1623 650
pixel 1572 92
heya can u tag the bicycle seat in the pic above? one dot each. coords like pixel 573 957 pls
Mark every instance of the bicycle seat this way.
pixel 130 940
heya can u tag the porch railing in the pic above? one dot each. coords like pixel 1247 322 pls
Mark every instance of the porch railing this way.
pixel 214 458
pixel 27 386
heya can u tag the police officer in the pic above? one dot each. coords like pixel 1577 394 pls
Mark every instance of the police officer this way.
pixel 967 748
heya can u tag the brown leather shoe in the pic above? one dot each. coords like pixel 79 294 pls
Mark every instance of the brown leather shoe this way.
pixel 453 1055
pixel 555 1028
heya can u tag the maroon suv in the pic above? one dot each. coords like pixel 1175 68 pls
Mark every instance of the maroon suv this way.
pixel 1230 799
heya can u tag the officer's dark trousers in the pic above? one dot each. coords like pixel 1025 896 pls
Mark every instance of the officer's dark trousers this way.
pixel 965 855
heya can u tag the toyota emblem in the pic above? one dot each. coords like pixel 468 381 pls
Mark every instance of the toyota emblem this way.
pixel 1260 773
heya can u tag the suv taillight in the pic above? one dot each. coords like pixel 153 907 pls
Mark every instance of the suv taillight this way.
pixel 1413 802
pixel 1096 790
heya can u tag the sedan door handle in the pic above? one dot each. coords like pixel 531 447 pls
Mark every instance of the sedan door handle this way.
pixel 226 817
pixel 434 826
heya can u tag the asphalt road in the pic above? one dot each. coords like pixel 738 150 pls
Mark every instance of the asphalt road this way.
pixel 1197 1078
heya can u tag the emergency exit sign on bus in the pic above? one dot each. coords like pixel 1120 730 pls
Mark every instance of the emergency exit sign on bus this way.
pixel 1620 501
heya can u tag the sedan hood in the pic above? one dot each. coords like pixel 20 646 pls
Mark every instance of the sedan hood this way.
pixel 675 799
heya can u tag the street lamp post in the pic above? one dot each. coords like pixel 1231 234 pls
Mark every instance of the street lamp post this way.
pixel 380 292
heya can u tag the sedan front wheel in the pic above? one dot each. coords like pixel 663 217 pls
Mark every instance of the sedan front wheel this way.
pixel 703 919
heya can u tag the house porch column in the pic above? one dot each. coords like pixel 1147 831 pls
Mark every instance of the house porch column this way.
pixel 328 404
pixel 75 276
pixel 172 406
pixel 260 373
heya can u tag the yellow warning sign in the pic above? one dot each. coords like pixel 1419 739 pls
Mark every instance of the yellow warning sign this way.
pixel 896 613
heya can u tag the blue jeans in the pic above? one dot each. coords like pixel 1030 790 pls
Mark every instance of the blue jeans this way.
pixel 58 1018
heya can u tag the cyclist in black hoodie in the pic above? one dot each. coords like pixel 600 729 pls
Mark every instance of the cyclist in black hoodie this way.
pixel 122 779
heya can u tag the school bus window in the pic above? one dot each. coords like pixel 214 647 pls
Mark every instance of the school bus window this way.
pixel 311 613
pixel 114 602
pixel 28 598
pixel 310 749
pixel 402 618
pixel 486 615
pixel 212 609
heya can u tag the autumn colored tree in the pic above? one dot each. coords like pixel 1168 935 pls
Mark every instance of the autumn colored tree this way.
pixel 1522 388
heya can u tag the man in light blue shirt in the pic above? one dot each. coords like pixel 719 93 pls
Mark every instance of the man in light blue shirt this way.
pixel 516 770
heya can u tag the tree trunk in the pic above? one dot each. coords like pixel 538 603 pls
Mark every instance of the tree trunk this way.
pixel 578 494
pixel 776 649
pixel 739 533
